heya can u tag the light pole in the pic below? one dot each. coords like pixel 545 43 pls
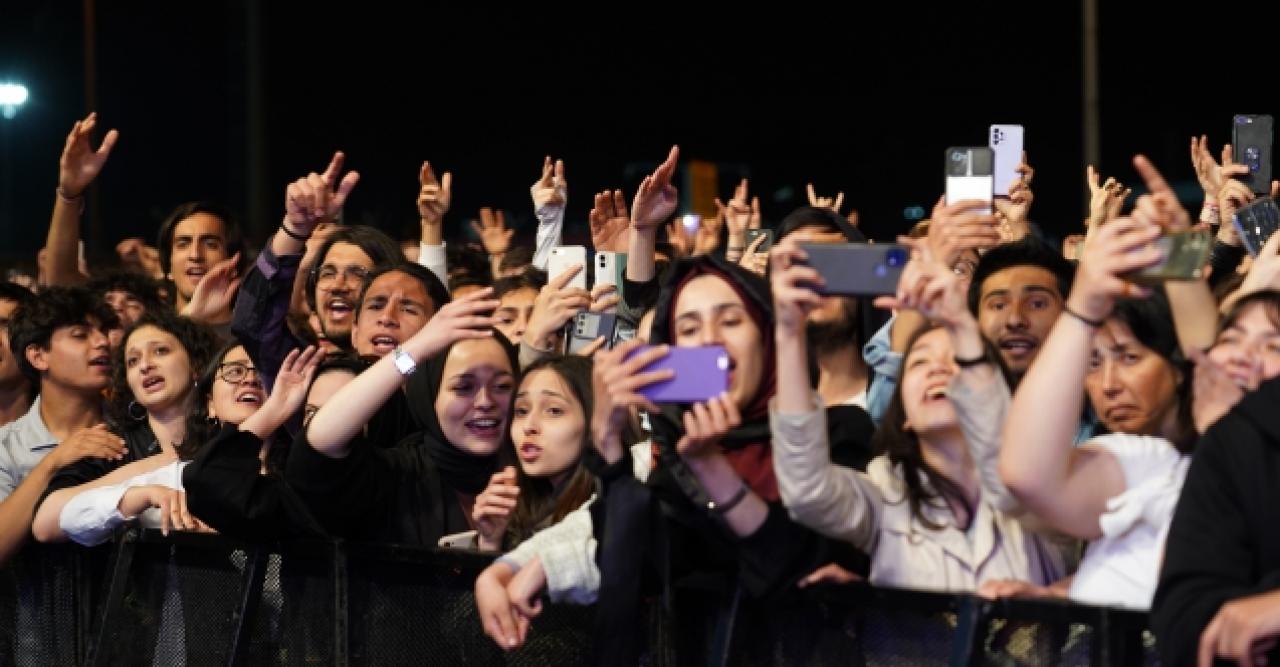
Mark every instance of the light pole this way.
pixel 12 96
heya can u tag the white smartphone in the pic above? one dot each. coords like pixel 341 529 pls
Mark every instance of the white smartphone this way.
pixel 565 256
pixel 610 267
pixel 1006 142
pixel 969 174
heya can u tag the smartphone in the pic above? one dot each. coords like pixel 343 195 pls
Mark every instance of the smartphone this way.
pixel 586 327
pixel 1006 142
pixel 1185 256
pixel 858 269
pixel 565 256
pixel 1251 146
pixel 970 174
pixel 622 333
pixel 753 234
pixel 701 373
pixel 1256 223
pixel 610 267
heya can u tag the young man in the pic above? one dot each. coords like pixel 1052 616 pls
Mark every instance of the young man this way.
pixel 395 303
pixel 194 238
pixel 61 345
pixel 16 391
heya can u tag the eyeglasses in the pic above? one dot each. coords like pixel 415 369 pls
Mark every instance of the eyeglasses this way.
pixel 329 273
pixel 234 372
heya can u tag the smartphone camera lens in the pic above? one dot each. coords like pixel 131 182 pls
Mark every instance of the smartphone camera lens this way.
pixel 957 156
pixel 895 257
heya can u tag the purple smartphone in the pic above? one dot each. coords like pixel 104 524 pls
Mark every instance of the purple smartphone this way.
pixel 701 373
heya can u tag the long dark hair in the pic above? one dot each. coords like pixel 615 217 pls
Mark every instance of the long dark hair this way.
pixel 902 446
pixel 201 428
pixel 539 504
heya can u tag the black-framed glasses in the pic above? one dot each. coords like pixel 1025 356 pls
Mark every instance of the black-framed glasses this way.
pixel 328 273
pixel 235 372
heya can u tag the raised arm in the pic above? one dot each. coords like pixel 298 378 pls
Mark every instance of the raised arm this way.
pixel 434 197
pixel 345 414
pixel 655 201
pixel 77 169
pixel 550 194
pixel 1068 487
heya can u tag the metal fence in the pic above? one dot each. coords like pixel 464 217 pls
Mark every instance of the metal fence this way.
pixel 188 599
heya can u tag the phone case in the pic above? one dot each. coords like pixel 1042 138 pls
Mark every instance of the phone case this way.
pixel 858 269
pixel 969 172
pixel 1256 223
pixel 1185 256
pixel 701 373
pixel 585 328
pixel 610 267
pixel 1006 142
pixel 1251 138
pixel 562 257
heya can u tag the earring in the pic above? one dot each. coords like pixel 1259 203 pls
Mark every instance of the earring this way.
pixel 135 415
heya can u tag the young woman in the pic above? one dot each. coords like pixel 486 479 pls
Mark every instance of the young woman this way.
pixel 922 510
pixel 412 481
pixel 549 437
pixel 234 410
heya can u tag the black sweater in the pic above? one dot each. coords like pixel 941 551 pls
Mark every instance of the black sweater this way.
pixel 1224 542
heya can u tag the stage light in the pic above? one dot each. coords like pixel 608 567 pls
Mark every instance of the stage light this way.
pixel 12 96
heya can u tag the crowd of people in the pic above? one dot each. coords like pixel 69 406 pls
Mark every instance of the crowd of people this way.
pixel 1020 418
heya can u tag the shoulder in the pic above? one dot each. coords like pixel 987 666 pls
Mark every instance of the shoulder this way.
pixel 1140 457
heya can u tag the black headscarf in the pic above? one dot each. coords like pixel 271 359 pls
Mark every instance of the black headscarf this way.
pixel 458 469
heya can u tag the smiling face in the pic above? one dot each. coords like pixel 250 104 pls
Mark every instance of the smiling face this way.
pixel 475 396
pixel 1249 347
pixel 234 402
pixel 199 242
pixel 1016 310
pixel 709 312
pixel 395 307
pixel 338 281
pixel 927 369
pixel 1132 389
pixel 548 426
pixel 157 369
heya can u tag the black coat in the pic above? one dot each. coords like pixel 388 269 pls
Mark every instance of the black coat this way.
pixel 1224 542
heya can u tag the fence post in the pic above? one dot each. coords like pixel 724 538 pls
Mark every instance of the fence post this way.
pixel 341 628
pixel 972 616
pixel 255 572
pixel 121 563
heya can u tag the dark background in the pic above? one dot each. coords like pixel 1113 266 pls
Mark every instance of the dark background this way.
pixel 232 100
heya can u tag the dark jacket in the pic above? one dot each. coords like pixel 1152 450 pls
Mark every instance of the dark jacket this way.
pixel 1223 543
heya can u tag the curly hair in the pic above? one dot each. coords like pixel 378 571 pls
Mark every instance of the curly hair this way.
pixel 196 339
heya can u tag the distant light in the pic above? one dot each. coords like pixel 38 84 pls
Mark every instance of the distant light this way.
pixel 12 96
pixel 913 213
pixel 692 221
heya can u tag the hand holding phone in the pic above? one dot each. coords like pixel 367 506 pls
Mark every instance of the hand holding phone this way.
pixel 699 373
pixel 1005 142
pixel 857 269
pixel 1251 138
pixel 1256 223
pixel 970 174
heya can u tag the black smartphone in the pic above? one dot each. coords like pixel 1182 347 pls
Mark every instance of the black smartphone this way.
pixel 858 269
pixel 586 327
pixel 753 234
pixel 1185 256
pixel 1256 223
pixel 1251 137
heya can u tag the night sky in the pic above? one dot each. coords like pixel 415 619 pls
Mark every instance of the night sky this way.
pixel 230 101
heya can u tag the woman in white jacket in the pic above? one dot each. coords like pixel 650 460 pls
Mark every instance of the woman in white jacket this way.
pixel 922 511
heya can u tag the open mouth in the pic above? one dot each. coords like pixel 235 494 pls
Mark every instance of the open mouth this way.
pixel 1018 346
pixel 484 427
pixel 195 274
pixel 530 452
pixel 250 398
pixel 152 383
pixel 101 361
pixel 383 344
pixel 936 392
pixel 339 308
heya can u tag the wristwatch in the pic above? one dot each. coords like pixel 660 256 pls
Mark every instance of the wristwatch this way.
pixel 404 363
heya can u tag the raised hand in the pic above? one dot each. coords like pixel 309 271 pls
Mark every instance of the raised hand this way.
pixel 655 200
pixel 678 237
pixel 609 222
pixel 464 318
pixel 555 305
pixel 318 197
pixel 1117 248
pixel 551 189
pixel 434 196
pixel 215 294
pixel 616 383
pixel 493 508
pixel 1160 206
pixel 738 214
pixel 932 288
pixel 1017 206
pixel 793 285
pixel 1232 196
pixel 833 203
pixel 136 253
pixel 954 228
pixel 705 424
pixel 1208 171
pixel 707 239
pixel 80 164
pixel 752 259
pixel 1105 199
pixel 493 232
pixel 288 392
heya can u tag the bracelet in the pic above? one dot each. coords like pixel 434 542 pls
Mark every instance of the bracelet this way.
pixel 721 509
pixel 732 248
pixel 970 363
pixel 62 196
pixel 1096 324
pixel 292 234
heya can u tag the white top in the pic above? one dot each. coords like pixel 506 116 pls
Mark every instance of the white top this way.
pixel 871 511
pixel 91 516
pixel 1122 567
